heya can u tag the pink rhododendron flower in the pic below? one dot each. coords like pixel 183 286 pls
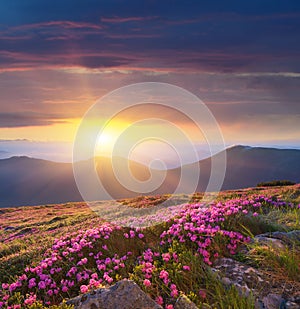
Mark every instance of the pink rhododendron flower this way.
pixel 159 300
pixel 84 289
pixel 30 299
pixel 202 294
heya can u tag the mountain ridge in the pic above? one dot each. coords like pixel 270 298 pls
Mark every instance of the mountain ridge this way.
pixel 28 181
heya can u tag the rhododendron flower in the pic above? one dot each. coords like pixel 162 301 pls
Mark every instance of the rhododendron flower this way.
pixel 186 267
pixel 159 300
pixel 166 257
pixel 50 292
pixel 42 285
pixel 202 294
pixel 165 276
pixel 147 282
pixel 94 276
pixel 30 299
pixel 84 289
pixel 64 289
pixel 23 277
pixel 32 283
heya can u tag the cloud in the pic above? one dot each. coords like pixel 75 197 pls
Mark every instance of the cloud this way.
pixel 59 24
pixel 118 19
pixel 199 39
pixel 12 120
pixel 56 58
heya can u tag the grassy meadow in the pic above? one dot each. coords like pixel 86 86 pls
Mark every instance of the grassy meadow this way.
pixel 51 253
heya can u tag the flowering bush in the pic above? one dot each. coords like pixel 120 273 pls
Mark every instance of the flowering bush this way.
pixel 165 260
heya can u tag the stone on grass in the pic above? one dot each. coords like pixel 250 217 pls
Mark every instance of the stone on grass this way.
pixel 270 242
pixel 184 303
pixel 125 294
pixel 273 301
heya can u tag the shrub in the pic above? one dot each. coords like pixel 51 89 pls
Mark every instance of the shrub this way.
pixel 275 183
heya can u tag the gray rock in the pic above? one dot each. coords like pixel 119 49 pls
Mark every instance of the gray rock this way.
pixel 125 294
pixel 245 278
pixel 272 301
pixel 291 305
pixel 268 292
pixel 293 302
pixel 288 238
pixel 271 242
pixel 184 303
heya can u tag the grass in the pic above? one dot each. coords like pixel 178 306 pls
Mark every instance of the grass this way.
pixel 28 233
pixel 285 262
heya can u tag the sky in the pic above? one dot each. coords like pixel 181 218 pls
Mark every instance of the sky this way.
pixel 241 58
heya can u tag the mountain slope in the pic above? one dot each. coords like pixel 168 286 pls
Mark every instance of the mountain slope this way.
pixel 28 181
pixel 247 166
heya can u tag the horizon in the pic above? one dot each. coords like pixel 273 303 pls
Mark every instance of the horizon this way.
pixel 166 157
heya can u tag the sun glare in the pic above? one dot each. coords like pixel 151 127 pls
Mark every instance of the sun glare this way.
pixel 108 137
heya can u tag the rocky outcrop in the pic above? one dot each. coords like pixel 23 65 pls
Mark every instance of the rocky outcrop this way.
pixel 269 290
pixel 243 277
pixel 286 238
pixel 125 294
pixel 250 281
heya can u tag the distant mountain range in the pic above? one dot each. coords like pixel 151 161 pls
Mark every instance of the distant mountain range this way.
pixel 29 181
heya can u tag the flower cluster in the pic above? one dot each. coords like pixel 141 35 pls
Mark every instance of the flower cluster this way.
pixel 80 261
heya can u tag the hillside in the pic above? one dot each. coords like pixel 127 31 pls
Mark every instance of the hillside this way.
pixel 232 254
pixel 247 166
pixel 28 181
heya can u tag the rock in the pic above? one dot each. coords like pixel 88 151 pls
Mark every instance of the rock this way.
pixel 269 292
pixel 289 238
pixel 125 294
pixel 291 305
pixel 273 301
pixel 293 302
pixel 271 242
pixel 226 281
pixel 295 299
pixel 244 277
pixel 184 303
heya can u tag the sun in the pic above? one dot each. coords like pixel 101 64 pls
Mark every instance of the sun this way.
pixel 108 137
pixel 105 139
